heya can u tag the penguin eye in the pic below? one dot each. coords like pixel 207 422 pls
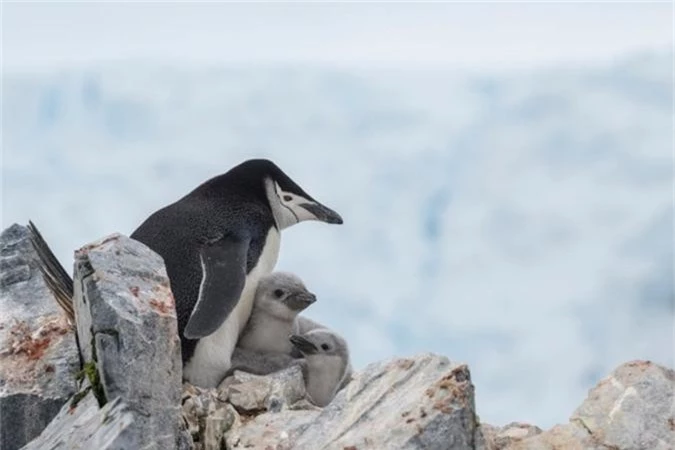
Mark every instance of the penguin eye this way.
pixel 278 293
pixel 287 198
pixel 325 347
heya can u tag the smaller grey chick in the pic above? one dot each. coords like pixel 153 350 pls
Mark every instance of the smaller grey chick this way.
pixel 304 325
pixel 326 363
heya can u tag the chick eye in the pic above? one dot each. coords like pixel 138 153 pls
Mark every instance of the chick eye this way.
pixel 287 198
pixel 325 347
pixel 278 293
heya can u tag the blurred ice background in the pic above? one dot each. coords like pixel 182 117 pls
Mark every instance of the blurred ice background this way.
pixel 504 170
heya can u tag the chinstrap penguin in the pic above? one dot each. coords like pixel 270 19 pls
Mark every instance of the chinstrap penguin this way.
pixel 216 242
pixel 325 364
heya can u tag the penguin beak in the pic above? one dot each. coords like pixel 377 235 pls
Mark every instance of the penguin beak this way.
pixel 322 213
pixel 301 300
pixel 307 298
pixel 303 345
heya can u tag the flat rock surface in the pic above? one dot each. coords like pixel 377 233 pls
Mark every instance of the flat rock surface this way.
pixel 38 354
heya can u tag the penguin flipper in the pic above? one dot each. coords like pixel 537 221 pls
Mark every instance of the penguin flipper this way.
pixel 223 264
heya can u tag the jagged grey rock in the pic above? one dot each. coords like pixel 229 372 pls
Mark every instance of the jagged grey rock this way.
pixel 127 327
pixel 38 354
pixel 422 402
pixel 633 407
pixel 86 426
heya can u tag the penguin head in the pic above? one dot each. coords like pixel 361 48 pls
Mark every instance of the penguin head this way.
pixel 283 295
pixel 320 341
pixel 265 181
pixel 289 202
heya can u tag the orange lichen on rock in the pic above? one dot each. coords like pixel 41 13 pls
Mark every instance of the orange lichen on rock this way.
pixel 25 348
pixel 163 302
pixel 23 341
pixel 160 306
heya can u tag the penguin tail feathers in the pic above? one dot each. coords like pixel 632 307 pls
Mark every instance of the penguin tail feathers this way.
pixel 57 279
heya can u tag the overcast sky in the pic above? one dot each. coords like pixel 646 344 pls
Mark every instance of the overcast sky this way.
pixel 39 35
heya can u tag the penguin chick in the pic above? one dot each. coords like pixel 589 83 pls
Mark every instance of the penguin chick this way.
pixel 279 298
pixel 326 356
pixel 303 325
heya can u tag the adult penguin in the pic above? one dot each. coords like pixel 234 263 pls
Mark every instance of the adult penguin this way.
pixel 216 242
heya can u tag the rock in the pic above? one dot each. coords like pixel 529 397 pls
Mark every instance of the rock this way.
pixel 270 430
pixel 207 416
pixel 424 402
pixel 631 409
pixel 499 438
pixel 86 426
pixel 269 407
pixel 274 392
pixel 38 354
pixel 127 328
pixel 569 436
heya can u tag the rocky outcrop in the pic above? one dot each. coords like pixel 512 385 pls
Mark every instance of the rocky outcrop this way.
pixel 126 323
pixel 424 402
pixel 128 347
pixel 129 393
pixel 38 355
